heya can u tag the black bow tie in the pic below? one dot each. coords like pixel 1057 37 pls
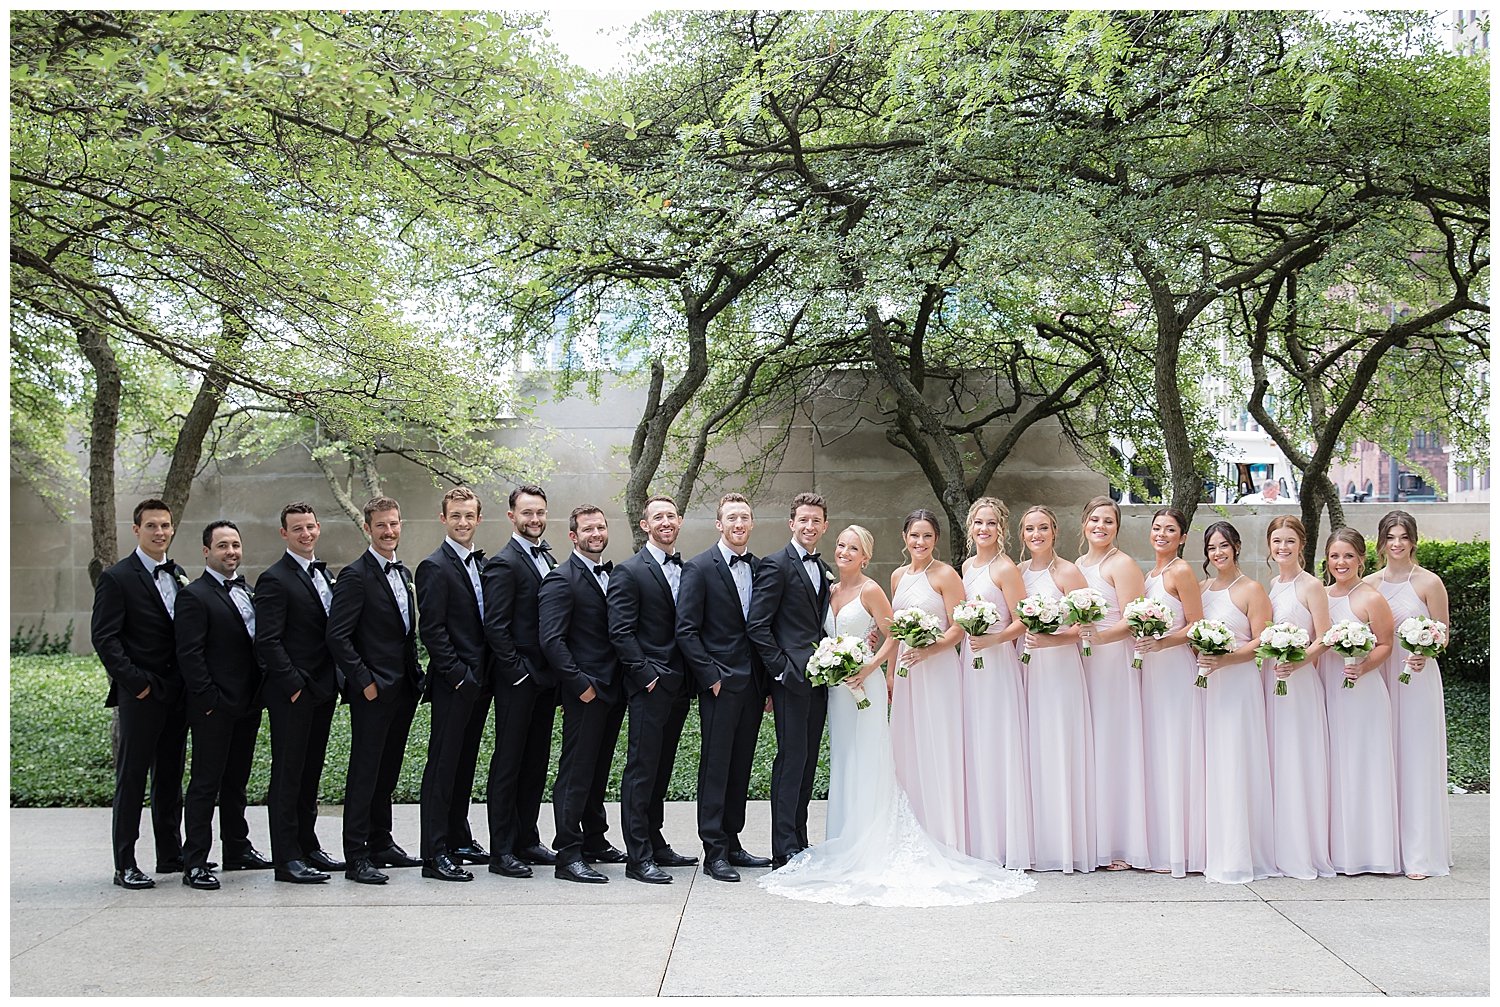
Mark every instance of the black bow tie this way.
pixel 394 565
pixel 746 559
pixel 475 558
pixel 166 565
pixel 537 550
pixel 673 558
pixel 318 566
pixel 811 557
pixel 230 582
pixel 604 567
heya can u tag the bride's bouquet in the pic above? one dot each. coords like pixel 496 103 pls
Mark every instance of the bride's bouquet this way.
pixel 978 617
pixel 837 659
pixel 1422 636
pixel 1282 642
pixel 1352 640
pixel 1146 617
pixel 1041 613
pixel 1085 607
pixel 915 628
pixel 1210 637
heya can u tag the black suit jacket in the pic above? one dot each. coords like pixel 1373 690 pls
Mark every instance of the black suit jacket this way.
pixel 573 618
pixel 132 632
pixel 711 632
pixel 786 615
pixel 451 629
pixel 510 582
pixel 643 624
pixel 291 633
pixel 365 634
pixel 215 651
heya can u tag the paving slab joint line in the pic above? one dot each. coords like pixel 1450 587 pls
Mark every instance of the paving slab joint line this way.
pixel 71 926
pixel 676 931
pixel 1277 910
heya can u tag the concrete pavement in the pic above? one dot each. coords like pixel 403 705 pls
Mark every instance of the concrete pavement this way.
pixel 72 932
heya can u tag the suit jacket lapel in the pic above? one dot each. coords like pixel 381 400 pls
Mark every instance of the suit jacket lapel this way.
pixel 588 575
pixel 377 571
pixel 659 574
pixel 799 570
pixel 526 559
pixel 728 578
pixel 150 583
pixel 463 572
pixel 222 593
pixel 305 576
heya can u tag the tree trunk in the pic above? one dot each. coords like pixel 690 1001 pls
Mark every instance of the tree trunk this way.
pixel 187 453
pixel 1318 493
pixel 104 424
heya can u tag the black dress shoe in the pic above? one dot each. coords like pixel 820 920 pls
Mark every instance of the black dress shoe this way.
pixel 739 858
pixel 648 872
pixel 133 879
pixel 668 857
pixel 777 863
pixel 393 856
pixel 174 866
pixel 537 856
pixel 469 853
pixel 298 873
pixel 608 855
pixel 442 868
pixel 508 865
pixel 323 860
pixel 249 859
pixel 720 870
pixel 578 871
pixel 364 872
pixel 201 878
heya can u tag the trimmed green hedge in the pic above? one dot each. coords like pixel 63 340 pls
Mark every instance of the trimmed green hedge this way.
pixel 60 757
pixel 1465 570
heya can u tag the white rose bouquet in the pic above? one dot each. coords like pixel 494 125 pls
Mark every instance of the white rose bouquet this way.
pixel 1282 642
pixel 1212 638
pixel 1422 636
pixel 915 628
pixel 836 660
pixel 1352 640
pixel 1146 617
pixel 1041 613
pixel 1085 607
pixel 978 617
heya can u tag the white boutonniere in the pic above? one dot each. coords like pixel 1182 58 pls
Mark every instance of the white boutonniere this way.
pixel 828 575
pixel 332 581
pixel 182 579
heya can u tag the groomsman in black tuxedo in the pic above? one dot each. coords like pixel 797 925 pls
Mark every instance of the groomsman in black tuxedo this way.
pixel 643 628
pixel 713 605
pixel 215 624
pixel 525 689
pixel 292 600
pixel 372 636
pixel 788 601
pixel 131 630
pixel 573 617
pixel 458 682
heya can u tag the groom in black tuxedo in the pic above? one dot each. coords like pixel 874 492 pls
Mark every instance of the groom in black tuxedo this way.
pixel 525 689
pixel 789 599
pixel 643 628
pixel 573 616
pixel 712 606
pixel 132 633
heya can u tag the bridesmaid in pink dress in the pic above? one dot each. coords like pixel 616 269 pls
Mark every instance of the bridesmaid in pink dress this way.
pixel 1059 731
pixel 1114 695
pixel 1172 709
pixel 1237 765
pixel 1421 728
pixel 1298 722
pixel 927 738
pixel 1363 826
pixel 997 785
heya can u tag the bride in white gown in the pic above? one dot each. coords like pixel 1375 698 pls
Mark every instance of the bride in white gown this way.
pixel 876 853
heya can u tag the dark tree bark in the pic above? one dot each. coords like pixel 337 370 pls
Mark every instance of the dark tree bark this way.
pixel 104 425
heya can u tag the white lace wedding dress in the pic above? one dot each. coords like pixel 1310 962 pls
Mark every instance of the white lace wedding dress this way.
pixel 876 853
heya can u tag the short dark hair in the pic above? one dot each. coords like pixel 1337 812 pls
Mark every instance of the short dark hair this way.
pixel 658 499
pixel 296 507
pixel 729 498
pixel 808 500
pixel 460 493
pixel 378 504
pixel 530 489
pixel 213 526
pixel 579 512
pixel 150 503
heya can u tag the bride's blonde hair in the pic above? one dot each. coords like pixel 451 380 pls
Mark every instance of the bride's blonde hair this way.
pixel 866 541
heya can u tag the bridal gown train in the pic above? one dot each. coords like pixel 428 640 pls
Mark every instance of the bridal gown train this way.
pixel 876 853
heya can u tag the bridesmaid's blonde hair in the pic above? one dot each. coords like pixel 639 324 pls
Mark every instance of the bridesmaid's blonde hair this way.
pixel 1001 511
pixel 866 540
pixel 1088 509
pixel 1039 509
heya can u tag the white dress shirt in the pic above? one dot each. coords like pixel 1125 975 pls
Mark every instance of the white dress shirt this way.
pixel 398 588
pixel 240 595
pixel 319 579
pixel 671 571
pixel 166 584
pixel 472 569
pixel 741 574
pixel 814 570
pixel 539 560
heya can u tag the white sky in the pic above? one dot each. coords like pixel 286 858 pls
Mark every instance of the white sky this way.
pixel 594 37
